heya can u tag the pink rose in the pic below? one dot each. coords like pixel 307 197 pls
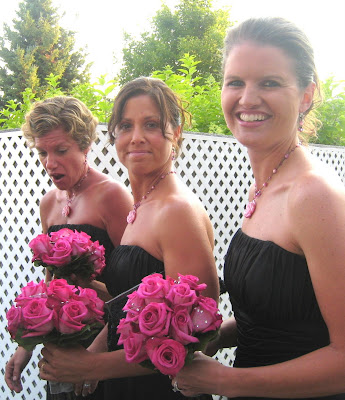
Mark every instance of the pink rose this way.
pixel 14 318
pixel 134 347
pixel 182 326
pixel 40 245
pixel 167 355
pixel 59 291
pixel 38 319
pixel 153 288
pixel 80 243
pixel 180 294
pixel 31 290
pixel 92 302
pixel 62 233
pixel 154 320
pixel 71 317
pixel 124 328
pixel 206 316
pixel 135 304
pixel 192 281
pixel 60 255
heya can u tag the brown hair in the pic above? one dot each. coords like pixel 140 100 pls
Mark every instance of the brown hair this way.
pixel 283 34
pixel 169 104
pixel 64 112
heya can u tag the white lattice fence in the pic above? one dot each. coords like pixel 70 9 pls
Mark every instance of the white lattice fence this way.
pixel 216 168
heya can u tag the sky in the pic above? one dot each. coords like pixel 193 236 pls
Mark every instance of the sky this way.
pixel 100 24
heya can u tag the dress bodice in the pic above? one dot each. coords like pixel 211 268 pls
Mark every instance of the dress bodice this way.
pixel 127 266
pixel 276 311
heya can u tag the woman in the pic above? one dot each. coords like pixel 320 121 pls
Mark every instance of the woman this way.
pixel 285 267
pixel 62 130
pixel 168 230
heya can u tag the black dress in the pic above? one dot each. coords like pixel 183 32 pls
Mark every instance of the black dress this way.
pixel 127 266
pixel 102 236
pixel 277 315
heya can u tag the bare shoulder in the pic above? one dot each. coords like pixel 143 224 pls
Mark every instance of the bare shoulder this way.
pixel 110 190
pixel 316 204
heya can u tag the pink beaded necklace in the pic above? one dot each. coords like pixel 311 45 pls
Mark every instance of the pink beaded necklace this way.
pixel 251 206
pixel 133 213
pixel 66 211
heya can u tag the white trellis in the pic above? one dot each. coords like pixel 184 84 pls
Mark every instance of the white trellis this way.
pixel 215 167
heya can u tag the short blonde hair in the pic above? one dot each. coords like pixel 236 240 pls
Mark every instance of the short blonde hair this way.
pixel 64 112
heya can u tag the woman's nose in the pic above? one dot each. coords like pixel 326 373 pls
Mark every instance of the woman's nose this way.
pixel 138 134
pixel 50 162
pixel 250 97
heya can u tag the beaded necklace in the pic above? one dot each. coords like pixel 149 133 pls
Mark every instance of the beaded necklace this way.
pixel 66 211
pixel 133 213
pixel 251 206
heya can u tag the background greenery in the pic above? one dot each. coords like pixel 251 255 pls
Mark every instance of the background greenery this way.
pixel 183 48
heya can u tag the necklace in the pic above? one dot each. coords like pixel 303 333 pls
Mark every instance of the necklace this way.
pixel 66 211
pixel 133 213
pixel 251 206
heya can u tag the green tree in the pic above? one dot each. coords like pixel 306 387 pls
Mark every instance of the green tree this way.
pixel 35 48
pixel 331 114
pixel 193 27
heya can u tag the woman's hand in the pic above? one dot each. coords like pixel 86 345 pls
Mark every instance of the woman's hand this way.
pixel 85 388
pixel 64 364
pixel 199 377
pixel 14 368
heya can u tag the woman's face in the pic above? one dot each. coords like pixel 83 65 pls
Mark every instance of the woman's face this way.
pixel 61 157
pixel 139 141
pixel 260 96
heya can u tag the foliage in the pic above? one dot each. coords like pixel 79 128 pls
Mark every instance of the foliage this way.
pixel 193 27
pixel 94 95
pixel 201 95
pixel 34 49
pixel 332 114
pixel 203 100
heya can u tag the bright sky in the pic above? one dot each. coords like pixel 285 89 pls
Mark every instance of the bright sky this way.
pixel 100 24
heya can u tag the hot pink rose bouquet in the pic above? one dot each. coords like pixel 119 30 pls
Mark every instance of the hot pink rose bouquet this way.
pixel 67 252
pixel 59 313
pixel 167 321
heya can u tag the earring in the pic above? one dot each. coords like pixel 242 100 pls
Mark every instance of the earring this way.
pixel 173 154
pixel 300 122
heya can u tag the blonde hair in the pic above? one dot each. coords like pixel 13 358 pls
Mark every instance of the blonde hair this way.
pixel 64 112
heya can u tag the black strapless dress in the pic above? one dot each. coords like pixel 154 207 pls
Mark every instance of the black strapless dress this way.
pixel 102 236
pixel 277 315
pixel 127 266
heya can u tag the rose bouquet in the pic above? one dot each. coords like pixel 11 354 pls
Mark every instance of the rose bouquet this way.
pixel 59 313
pixel 167 321
pixel 67 252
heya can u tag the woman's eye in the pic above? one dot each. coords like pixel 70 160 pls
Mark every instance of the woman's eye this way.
pixel 235 83
pixel 270 84
pixel 152 125
pixel 62 151
pixel 124 126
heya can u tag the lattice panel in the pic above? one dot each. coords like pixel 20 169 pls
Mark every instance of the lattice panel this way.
pixel 216 168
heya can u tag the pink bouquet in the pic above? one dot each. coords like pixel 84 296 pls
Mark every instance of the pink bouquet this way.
pixel 167 321
pixel 67 252
pixel 59 313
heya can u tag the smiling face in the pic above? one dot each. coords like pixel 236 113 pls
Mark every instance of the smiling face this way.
pixel 261 99
pixel 139 141
pixel 61 157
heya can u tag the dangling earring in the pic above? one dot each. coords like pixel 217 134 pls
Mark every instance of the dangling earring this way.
pixel 173 154
pixel 300 122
